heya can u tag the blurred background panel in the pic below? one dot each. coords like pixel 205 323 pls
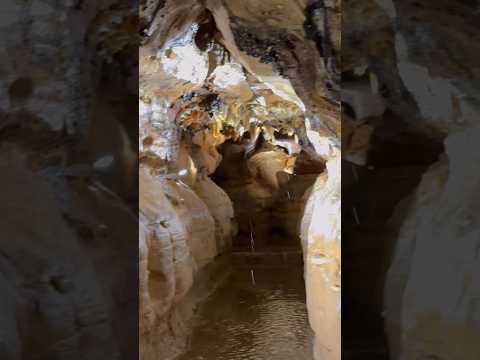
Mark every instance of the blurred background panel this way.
pixel 410 105
pixel 69 199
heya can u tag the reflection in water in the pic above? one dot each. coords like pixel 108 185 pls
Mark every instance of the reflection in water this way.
pixel 264 320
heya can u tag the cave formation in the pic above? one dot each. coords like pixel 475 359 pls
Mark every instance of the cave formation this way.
pixel 239 177
pixel 253 117
pixel 239 138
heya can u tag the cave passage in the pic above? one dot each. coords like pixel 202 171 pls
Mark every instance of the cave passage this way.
pixel 236 165
pixel 259 310
pixel 268 191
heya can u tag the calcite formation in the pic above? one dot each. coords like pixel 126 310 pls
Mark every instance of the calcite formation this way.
pixel 322 253
pixel 220 82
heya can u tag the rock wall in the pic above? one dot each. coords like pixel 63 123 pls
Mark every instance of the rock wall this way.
pixel 420 57
pixel 66 265
pixel 66 236
pixel 184 228
pixel 438 213
pixel 215 72
pixel 185 219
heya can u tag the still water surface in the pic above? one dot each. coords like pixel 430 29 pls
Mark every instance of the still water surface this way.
pixel 262 317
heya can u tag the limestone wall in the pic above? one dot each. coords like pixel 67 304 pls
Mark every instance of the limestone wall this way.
pixel 216 71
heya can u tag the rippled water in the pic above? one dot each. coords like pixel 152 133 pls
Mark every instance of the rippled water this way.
pixel 263 318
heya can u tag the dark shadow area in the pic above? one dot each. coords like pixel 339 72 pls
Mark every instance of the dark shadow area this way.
pixel 268 201
pixel 398 157
pixel 410 179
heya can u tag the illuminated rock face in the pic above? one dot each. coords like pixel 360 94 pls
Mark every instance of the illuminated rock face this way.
pixel 321 240
pixel 218 82
pixel 186 221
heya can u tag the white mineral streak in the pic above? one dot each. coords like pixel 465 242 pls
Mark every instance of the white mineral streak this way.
pixel 228 75
pixel 182 59
pixel 328 207
pixel 186 63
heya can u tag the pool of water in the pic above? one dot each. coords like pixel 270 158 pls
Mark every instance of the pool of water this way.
pixel 257 314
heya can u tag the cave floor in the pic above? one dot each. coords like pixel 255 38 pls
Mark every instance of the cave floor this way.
pixel 259 312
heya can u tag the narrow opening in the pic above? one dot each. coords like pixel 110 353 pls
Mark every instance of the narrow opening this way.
pixel 268 198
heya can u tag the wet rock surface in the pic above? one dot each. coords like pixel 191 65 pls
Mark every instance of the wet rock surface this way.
pixel 228 97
